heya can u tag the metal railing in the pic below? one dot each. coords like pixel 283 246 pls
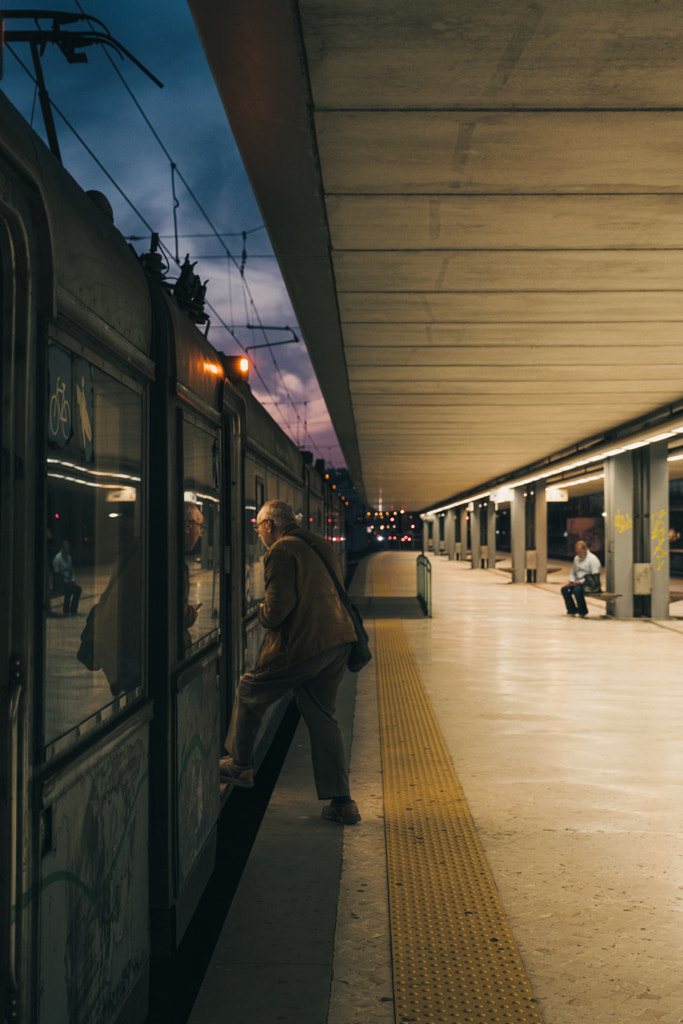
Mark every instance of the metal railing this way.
pixel 424 584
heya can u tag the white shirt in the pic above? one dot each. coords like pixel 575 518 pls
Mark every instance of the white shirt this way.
pixel 64 566
pixel 581 567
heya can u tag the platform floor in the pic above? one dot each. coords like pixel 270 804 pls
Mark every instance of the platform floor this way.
pixel 566 736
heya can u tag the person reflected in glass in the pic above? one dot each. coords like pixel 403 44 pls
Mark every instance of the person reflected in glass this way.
pixel 193 529
pixel 65 578
pixel 585 564
pixel 112 638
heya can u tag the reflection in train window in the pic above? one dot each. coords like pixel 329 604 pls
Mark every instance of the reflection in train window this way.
pixel 200 576
pixel 255 496
pixel 93 606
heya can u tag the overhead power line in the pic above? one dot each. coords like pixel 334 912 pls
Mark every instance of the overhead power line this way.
pixel 104 39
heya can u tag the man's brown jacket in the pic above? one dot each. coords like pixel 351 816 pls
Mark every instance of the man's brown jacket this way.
pixel 301 610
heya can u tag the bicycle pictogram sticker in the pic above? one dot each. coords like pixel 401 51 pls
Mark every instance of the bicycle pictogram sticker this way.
pixel 60 413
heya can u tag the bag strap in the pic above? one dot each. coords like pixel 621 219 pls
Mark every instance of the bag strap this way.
pixel 340 590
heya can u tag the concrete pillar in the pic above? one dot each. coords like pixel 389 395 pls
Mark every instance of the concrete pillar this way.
pixel 464 543
pixel 658 528
pixel 518 535
pixel 491 532
pixel 541 532
pixel 426 527
pixel 637 532
pixel 484 534
pixel 619 534
pixel 450 534
pixel 475 535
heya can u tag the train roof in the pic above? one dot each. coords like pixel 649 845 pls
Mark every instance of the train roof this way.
pixel 86 273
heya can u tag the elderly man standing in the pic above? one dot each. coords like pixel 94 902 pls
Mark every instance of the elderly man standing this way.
pixel 305 651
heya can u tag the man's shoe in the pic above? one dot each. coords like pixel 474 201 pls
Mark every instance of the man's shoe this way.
pixel 343 814
pixel 234 773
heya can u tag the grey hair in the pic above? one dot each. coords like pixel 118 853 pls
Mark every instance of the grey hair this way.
pixel 279 511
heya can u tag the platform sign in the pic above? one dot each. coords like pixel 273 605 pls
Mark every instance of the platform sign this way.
pixel 556 494
pixel 502 495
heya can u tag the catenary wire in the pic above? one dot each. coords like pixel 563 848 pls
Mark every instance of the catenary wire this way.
pixel 204 214
pixel 170 256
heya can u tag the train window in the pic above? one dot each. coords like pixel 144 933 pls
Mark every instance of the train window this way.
pixel 255 491
pixel 200 578
pixel 93 587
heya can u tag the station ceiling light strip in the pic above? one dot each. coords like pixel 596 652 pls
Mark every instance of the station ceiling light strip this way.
pixel 637 441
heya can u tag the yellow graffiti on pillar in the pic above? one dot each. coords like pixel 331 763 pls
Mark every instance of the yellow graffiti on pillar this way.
pixel 659 551
pixel 622 522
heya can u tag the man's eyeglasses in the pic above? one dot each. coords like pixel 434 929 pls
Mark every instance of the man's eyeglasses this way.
pixel 257 526
pixel 193 522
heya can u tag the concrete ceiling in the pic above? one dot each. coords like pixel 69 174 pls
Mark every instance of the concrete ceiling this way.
pixel 477 206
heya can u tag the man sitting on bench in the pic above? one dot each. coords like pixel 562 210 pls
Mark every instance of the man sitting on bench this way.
pixel 584 578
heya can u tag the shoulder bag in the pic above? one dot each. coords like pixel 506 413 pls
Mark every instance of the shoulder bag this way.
pixel 591 583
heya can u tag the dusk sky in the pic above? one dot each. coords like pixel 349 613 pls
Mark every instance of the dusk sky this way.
pixel 191 125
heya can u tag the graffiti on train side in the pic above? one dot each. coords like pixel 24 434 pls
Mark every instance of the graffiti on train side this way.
pixel 94 889
pixel 198 756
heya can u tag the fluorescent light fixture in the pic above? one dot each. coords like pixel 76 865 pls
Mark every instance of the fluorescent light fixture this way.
pixel 454 504
pixel 582 480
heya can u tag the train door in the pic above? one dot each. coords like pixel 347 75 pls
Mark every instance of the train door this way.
pixel 15 922
pixel 196 678
pixel 234 548
pixel 74 917
pixel 187 594
pixel 92 883
pixel 254 588
pixel 75 753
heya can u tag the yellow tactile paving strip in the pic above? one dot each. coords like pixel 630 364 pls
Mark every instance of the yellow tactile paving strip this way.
pixel 454 957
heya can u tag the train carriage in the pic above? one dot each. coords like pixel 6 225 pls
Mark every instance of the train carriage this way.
pixel 76 377
pixel 131 473
pixel 186 597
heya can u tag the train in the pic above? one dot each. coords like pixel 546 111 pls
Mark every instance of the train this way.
pixel 135 455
